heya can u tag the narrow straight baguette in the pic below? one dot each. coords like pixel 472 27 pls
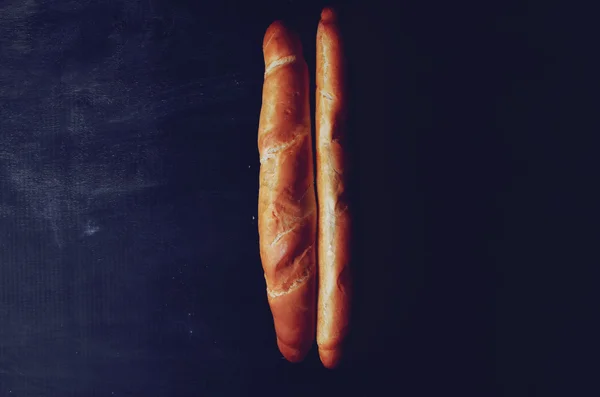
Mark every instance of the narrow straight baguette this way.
pixel 287 216
pixel 334 213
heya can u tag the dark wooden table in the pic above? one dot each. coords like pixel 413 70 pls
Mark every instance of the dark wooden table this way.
pixel 129 258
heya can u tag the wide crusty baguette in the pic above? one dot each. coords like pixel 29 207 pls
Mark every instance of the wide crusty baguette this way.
pixel 334 215
pixel 287 216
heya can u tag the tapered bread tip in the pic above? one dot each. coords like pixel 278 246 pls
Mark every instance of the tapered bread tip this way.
pixel 292 354
pixel 274 29
pixel 280 40
pixel 328 15
pixel 330 357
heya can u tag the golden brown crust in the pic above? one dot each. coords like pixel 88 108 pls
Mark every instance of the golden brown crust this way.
pixel 334 228
pixel 287 213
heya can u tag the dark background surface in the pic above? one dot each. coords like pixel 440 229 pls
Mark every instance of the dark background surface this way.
pixel 129 258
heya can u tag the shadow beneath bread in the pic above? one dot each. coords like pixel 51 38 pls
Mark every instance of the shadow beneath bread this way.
pixel 387 214
pixel 428 172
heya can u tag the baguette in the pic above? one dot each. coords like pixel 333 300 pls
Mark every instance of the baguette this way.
pixel 287 209
pixel 334 284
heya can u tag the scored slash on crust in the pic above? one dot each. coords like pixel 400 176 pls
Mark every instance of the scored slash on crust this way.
pixel 326 95
pixel 275 293
pixel 276 64
pixel 272 151
pixel 295 285
pixel 297 225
